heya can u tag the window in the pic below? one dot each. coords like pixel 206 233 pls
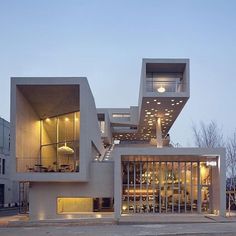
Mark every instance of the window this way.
pixel 120 115
pixel 60 143
pixel 101 122
pixel 3 166
pixel 66 205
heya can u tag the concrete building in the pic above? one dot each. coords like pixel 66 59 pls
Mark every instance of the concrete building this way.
pixel 8 188
pixel 79 159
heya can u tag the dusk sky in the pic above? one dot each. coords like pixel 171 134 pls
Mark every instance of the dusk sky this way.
pixel 106 41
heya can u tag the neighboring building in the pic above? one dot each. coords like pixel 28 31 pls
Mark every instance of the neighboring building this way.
pixel 79 159
pixel 8 188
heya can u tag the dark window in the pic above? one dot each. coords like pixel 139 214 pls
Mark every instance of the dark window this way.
pixel 101 117
pixel 3 166
pixel 106 202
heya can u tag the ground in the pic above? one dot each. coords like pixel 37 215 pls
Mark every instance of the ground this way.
pixel 168 224
pixel 202 229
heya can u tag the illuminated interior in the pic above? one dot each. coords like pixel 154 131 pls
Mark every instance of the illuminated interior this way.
pixel 60 143
pixel 74 205
pixel 165 186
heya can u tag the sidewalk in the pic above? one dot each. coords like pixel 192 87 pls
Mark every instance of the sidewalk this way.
pixel 174 219
pixel 108 219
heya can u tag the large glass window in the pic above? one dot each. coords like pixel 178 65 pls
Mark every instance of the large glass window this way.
pixel 59 150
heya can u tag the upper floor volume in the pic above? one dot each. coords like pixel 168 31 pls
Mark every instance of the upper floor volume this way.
pixel 165 77
pixel 54 120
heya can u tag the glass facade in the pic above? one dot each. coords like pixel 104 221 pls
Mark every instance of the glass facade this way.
pixel 59 149
pixel 165 186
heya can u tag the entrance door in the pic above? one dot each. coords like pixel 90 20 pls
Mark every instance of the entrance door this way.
pixel 1 195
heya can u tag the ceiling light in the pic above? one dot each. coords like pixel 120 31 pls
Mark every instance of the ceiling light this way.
pixel 66 119
pixel 172 100
pixel 65 150
pixel 147 102
pixel 172 104
pixel 155 100
pixel 158 103
pixel 161 89
pixel 47 119
pixel 177 103
pixel 167 114
pixel 148 113
pixel 181 101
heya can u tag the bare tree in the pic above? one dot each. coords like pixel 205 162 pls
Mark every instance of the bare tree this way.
pixel 231 170
pixel 231 155
pixel 208 135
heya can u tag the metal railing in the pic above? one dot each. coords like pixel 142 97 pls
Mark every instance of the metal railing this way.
pixel 168 86
pixel 35 164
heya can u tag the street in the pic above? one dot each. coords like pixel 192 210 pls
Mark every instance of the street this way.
pixel 226 229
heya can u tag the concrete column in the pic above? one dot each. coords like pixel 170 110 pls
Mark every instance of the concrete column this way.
pixel 222 175
pixel 117 187
pixel 199 189
pixel 159 133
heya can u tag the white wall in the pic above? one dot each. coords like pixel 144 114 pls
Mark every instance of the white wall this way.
pixel 43 196
pixel 27 132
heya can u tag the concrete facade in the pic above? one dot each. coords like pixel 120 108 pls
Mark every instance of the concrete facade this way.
pixel 9 187
pixel 68 149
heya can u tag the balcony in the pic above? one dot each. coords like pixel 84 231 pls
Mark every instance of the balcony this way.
pixel 165 86
pixel 29 164
pixel 165 82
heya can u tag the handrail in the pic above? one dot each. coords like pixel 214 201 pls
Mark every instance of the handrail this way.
pixel 35 164
pixel 170 86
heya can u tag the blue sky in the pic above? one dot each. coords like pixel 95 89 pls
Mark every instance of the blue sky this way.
pixel 106 41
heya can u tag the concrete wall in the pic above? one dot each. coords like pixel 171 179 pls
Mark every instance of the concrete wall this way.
pixel 25 128
pixel 11 193
pixel 89 129
pixel 4 136
pixel 10 187
pixel 43 196
pixel 27 146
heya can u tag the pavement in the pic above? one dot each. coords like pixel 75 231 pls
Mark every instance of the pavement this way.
pixel 189 229
pixel 165 224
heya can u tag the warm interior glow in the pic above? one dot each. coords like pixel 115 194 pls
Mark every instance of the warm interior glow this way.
pixel 138 191
pixel 161 89
pixel 74 205
pixel 66 150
